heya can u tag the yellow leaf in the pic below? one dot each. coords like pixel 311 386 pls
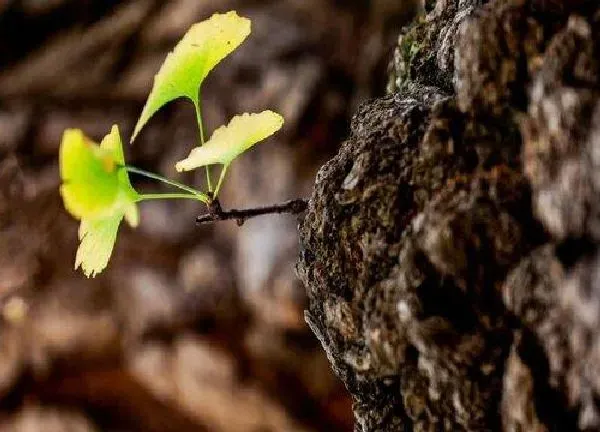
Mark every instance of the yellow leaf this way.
pixel 97 239
pixel 230 141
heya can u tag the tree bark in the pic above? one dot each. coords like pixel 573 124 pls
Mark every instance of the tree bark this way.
pixel 450 249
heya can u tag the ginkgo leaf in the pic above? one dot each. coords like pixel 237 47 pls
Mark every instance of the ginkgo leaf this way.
pixel 230 141
pixel 89 175
pixel 113 144
pixel 93 186
pixel 200 50
pixel 97 240
pixel 96 189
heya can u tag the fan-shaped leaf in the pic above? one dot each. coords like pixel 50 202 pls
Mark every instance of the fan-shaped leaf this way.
pixel 89 175
pixel 97 240
pixel 93 185
pixel 96 190
pixel 200 50
pixel 230 141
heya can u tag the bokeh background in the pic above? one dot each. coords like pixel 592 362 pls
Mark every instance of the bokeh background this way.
pixel 190 328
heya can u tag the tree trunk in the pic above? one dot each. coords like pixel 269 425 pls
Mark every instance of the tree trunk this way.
pixel 450 249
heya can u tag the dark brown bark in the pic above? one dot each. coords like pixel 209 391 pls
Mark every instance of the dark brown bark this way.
pixel 450 249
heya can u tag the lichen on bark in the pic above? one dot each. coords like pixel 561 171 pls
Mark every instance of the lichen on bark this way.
pixel 450 248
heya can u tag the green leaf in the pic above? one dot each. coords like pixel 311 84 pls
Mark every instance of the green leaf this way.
pixel 89 175
pixel 200 50
pixel 94 186
pixel 113 144
pixel 96 190
pixel 228 142
pixel 97 238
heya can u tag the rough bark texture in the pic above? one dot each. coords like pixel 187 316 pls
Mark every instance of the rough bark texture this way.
pixel 450 251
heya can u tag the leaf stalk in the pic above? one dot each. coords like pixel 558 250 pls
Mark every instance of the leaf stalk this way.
pixel 200 196
pixel 201 129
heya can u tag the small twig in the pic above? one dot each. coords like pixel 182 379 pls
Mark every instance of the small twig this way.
pixel 216 213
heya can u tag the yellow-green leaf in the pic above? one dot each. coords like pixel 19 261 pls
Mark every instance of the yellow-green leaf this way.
pixel 89 175
pixel 94 184
pixel 113 144
pixel 96 189
pixel 97 240
pixel 200 50
pixel 230 141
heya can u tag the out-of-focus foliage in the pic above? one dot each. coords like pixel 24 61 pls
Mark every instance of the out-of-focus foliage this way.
pixel 97 191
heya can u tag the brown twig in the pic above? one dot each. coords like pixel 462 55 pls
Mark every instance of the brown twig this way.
pixel 216 213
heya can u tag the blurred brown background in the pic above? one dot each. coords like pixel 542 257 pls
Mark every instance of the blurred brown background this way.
pixel 189 328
